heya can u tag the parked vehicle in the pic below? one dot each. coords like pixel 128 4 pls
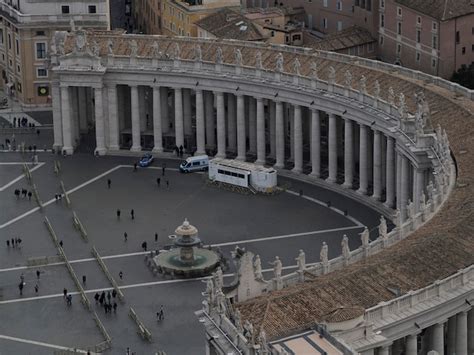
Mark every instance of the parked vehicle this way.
pixel 146 160
pixel 197 163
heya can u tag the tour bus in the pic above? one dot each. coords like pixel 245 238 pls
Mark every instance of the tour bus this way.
pixel 197 163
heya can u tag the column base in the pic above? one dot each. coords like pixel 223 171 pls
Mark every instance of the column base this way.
pixel 240 158
pixel 114 147
pixel 260 162
pixel 362 192
pixel 100 151
pixel 203 152
pixel 57 147
pixel 376 197
pixel 157 150
pixel 388 204
pixel 68 150
pixel 278 166
pixel 297 170
pixel 220 155
pixel 331 180
pixel 347 185
pixel 137 148
pixel 315 175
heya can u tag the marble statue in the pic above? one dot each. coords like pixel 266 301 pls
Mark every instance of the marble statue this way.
pixel 279 62
pixel 221 303
pixel 398 218
pixel 382 228
pixel 391 96
pixel 110 47
pixel 346 252
pixel 422 201
pixel 402 106
pixel 410 209
pixel 262 338
pixel 277 267
pixel 249 332
pixel 177 51
pixel 314 70
pixel 209 287
pixel 133 48
pixel 297 66
pixel 301 261
pixel 219 56
pixel 363 84
pixel 72 25
pixel 238 320
pixel 95 48
pixel 258 60
pixel 348 79
pixel 155 49
pixel 365 237
pixel 257 267
pixel 423 112
pixel 377 89
pixel 430 190
pixel 323 254
pixel 331 75
pixel 197 53
pixel 53 48
pixel 219 278
pixel 238 57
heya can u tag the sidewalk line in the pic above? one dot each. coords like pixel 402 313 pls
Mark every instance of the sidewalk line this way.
pixel 40 343
pixel 4 187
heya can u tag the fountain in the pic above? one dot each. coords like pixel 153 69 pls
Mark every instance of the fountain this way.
pixel 187 259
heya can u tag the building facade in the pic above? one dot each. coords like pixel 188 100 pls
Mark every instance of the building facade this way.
pixel 147 16
pixel 26 29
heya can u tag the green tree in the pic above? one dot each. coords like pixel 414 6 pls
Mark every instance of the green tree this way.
pixel 464 76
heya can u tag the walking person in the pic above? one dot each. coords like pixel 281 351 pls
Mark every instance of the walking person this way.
pixel 114 293
pixel 118 214
pixel 84 280
pixel 96 297
pixel 167 184
pixel 125 236
pixel 156 237
pixel 8 243
pixel 144 246
pixel 61 243
pixel 29 195
pixel 160 315
pixel 109 296
pixel 132 214
pixel 109 182
pixel 38 273
pixel 121 275
pixel 20 286
pixel 158 181
pixel 36 289
pixel 115 307
pixel 135 167
pixel 65 292
pixel 163 169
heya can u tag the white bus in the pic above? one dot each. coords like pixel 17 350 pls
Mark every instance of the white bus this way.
pixel 243 174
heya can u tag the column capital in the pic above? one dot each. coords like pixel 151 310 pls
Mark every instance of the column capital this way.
pixel 63 85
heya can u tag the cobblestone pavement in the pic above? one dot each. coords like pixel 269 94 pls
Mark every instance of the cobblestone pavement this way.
pixel 42 323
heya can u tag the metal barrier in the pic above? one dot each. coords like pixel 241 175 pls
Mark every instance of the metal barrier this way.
pixel 107 273
pixel 78 225
pixel 66 195
pixel 142 330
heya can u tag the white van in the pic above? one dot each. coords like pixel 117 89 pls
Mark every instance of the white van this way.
pixel 197 163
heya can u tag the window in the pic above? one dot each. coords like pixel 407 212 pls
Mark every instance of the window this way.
pixel 458 37
pixel 339 5
pixel 418 36
pixel 382 4
pixel 17 44
pixel 272 33
pixel 399 11
pixel 40 33
pixel 463 50
pixel 381 40
pixel 40 50
pixel 418 20
pixel 65 9
pixel 418 57
pixel 382 20
pixel 325 23
pixel 92 9
pixel 41 72
pixel 399 48
pixel 399 28
pixel 434 26
pixel 9 41
pixel 434 42
pixel 339 25
pixel 296 37
pixel 368 6
pixel 433 63
pixel 325 3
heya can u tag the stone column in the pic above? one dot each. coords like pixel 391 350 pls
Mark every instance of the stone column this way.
pixel 470 332
pixel 363 182
pixel 315 143
pixel 260 132
pixel 271 120
pixel 438 338
pixel 136 144
pixel 419 187
pixel 348 154
pixel 241 139
pixel 384 350
pixel 113 118
pixel 377 165
pixel 157 129
pixel 220 125
pixel 210 125
pixel 99 122
pixel 231 123
pixel 279 136
pixel 451 338
pixel 178 117
pixel 411 345
pixel 390 173
pixel 252 126
pixel 200 129
pixel 298 139
pixel 66 120
pixel 187 112
pixel 57 126
pixel 461 333
pixel 165 119
pixel 332 149
pixel 404 185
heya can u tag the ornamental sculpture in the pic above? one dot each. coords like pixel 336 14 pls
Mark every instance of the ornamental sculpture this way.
pixel 331 75
pixel 377 89
pixel 383 228
pixel 323 254
pixel 176 51
pixel 72 25
pixel 314 70
pixel 363 84
pixel 301 261
pixel 133 48
pixel 197 53
pixel 297 66
pixel 423 114
pixel 257 268
pixel 219 56
pixel 95 48
pixel 277 267
pixel 110 47
pixel 155 50
pixel 346 252
pixel 365 237
pixel 258 60
pixel 348 79
pixel 402 107
pixel 279 62
pixel 391 96
pixel 238 57
pixel 81 40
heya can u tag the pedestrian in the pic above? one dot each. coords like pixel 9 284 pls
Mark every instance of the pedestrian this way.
pixel 36 288
pixel 29 195
pixel 69 300
pixel 38 273
pixel 56 197
pixel 118 214
pixel 132 214
pixel 114 293
pixel 20 286
pixel 24 192
pixel 160 314
pixel 102 297
pixel 121 275
pixel 106 307
pixel 65 292
pixel 109 296
pixel 167 184
pixel 156 237
pixel 13 242
pixel 38 132
pixel 84 280
pixel 115 307
pixel 158 181
pixel 163 169
pixel 135 167
pixel 17 193
pixel 8 243
pixel 144 246
pixel 61 243
pixel 96 297
pixel 125 235
pixel 22 278
pixel 18 241
pixel 109 182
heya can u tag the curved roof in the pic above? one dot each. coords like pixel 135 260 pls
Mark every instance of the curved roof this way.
pixel 436 250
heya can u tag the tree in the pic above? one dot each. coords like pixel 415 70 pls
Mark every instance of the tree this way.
pixel 464 76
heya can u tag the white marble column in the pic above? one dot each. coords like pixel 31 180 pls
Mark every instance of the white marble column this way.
pixel 165 119
pixel 348 154
pixel 279 136
pixel 66 120
pixel 419 187
pixel 461 333
pixel 178 117
pixel 404 185
pixel 332 149
pixel 136 144
pixel 438 338
pixel 157 129
pixel 271 120
pixel 113 117
pixel 390 173
pixel 241 139
pixel 377 179
pixel 260 132
pixel 210 125
pixel 220 125
pixel 470 331
pixel 57 126
pixel 451 336
pixel 200 129
pixel 187 112
pixel 384 350
pixel 252 126
pixel 363 182
pixel 298 140
pixel 411 345
pixel 231 123
pixel 99 122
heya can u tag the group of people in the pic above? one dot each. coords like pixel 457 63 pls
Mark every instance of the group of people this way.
pixel 106 301
pixel 23 193
pixel 14 242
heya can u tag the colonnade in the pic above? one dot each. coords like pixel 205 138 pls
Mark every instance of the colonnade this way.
pixel 306 139
pixel 452 336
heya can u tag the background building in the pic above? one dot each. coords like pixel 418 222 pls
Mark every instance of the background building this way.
pixel 147 16
pixel 26 29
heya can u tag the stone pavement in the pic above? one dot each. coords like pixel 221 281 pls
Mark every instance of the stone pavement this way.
pixel 268 225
